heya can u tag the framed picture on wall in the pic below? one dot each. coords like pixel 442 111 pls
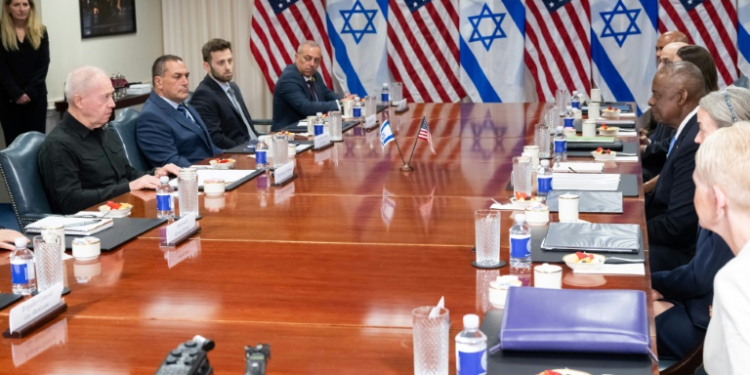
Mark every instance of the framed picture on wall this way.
pixel 107 17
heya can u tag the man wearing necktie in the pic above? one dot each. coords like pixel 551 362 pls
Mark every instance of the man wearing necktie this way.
pixel 218 100
pixel 169 131
pixel 300 90
pixel 670 213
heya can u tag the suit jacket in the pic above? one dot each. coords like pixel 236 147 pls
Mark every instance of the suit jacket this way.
pixel 293 101
pixel 727 344
pixel 223 121
pixel 655 155
pixel 670 213
pixel 166 136
pixel 693 284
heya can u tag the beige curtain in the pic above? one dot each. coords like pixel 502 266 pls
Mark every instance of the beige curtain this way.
pixel 188 24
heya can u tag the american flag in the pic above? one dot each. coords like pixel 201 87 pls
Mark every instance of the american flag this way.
pixel 279 27
pixel 558 49
pixel 423 49
pixel 424 133
pixel 708 23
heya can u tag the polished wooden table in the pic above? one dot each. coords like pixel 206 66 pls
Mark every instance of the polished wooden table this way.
pixel 325 269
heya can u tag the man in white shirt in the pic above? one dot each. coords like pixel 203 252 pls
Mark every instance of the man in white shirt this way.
pixel 723 206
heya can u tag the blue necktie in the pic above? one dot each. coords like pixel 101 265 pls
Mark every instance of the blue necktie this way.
pixel 671 144
pixel 182 109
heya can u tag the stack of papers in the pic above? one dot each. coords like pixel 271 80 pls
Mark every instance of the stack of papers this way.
pixel 577 181
pixel 73 226
pixel 578 168
pixel 635 269
pixel 626 159
pixel 577 139
pixel 228 175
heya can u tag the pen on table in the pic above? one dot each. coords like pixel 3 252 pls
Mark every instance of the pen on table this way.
pixel 572 170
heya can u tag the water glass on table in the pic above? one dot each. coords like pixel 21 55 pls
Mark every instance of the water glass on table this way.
pixel 542 139
pixel 487 238
pixel 280 146
pixel 187 191
pixel 335 126
pixel 397 92
pixel 430 340
pixel 49 264
pixel 522 171
pixel 371 105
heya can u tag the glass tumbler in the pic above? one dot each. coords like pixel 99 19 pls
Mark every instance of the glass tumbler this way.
pixel 371 105
pixel 280 146
pixel 397 92
pixel 187 191
pixel 542 139
pixel 487 237
pixel 430 341
pixel 49 264
pixel 522 177
pixel 334 126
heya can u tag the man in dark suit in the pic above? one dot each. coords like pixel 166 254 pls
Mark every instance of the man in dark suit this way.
pixel 671 219
pixel 168 131
pixel 218 100
pixel 300 91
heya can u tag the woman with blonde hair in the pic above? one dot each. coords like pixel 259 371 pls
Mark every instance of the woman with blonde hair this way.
pixel 24 61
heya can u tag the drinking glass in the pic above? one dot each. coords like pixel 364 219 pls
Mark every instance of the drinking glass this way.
pixel 311 124
pixel 522 176
pixel 542 139
pixel 49 262
pixel 280 146
pixel 334 125
pixel 371 105
pixel 487 237
pixel 187 191
pixel 562 99
pixel 430 341
pixel 397 92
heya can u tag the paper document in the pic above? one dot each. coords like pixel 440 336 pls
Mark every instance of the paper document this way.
pixel 611 122
pixel 577 139
pixel 578 168
pixel 578 181
pixel 73 226
pixel 635 269
pixel 228 175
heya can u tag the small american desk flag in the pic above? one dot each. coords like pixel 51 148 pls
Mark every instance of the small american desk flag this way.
pixel 424 133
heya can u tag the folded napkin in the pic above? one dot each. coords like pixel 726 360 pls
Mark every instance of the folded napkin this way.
pixel 598 321
pixel 577 181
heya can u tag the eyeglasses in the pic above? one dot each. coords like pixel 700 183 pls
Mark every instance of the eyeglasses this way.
pixel 729 104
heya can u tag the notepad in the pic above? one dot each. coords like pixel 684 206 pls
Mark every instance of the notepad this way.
pixel 73 226
pixel 228 175
pixel 577 139
pixel 578 168
pixel 577 181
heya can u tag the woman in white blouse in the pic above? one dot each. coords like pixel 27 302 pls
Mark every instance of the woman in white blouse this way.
pixel 722 200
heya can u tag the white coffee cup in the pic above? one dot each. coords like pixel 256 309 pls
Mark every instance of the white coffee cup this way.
pixel 568 206
pixel 548 276
pixel 594 111
pixel 588 128
pixel 596 96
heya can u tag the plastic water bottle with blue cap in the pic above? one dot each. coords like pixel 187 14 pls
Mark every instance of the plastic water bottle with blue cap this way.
pixel 471 348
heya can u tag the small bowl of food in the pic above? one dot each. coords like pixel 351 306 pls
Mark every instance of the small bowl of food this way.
pixel 221 163
pixel 114 209
pixel 610 112
pixel 609 131
pixel 601 154
pixel 584 261
pixel 523 201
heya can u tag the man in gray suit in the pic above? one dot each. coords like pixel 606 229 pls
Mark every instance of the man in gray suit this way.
pixel 300 91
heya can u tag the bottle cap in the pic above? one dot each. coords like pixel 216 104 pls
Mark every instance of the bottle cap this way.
pixel 544 163
pixel 21 242
pixel 471 321
pixel 520 218
pixel 164 180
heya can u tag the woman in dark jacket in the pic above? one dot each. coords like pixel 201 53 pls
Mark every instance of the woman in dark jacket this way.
pixel 24 61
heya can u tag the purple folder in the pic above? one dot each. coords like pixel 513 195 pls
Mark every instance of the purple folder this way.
pixel 609 321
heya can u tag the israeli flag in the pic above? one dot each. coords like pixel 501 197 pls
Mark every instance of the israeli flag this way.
pixel 386 133
pixel 491 46
pixel 358 31
pixel 623 38
pixel 743 36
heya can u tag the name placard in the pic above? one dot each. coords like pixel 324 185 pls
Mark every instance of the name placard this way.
pixel 284 172
pixel 322 140
pixel 401 105
pixel 180 227
pixel 35 307
pixel 370 121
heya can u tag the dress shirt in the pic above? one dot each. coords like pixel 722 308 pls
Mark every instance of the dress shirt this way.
pixel 726 349
pixel 683 123
pixel 82 167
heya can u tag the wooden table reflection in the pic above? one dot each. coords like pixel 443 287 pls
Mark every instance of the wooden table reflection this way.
pixel 326 269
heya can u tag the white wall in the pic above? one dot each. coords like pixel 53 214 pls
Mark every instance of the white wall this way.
pixel 129 54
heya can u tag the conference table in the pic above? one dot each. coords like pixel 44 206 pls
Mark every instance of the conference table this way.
pixel 325 269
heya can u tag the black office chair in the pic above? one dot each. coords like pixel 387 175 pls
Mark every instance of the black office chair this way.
pixel 20 170
pixel 124 126
pixel 686 366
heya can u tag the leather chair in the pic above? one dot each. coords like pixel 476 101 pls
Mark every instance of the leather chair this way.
pixel 20 170
pixel 124 126
pixel 686 366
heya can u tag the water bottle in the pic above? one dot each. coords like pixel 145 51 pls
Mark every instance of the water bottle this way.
pixel 520 242
pixel 561 146
pixel 385 95
pixel 164 199
pixel 357 109
pixel 544 179
pixel 575 101
pixel 471 348
pixel 22 269
pixel 261 156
